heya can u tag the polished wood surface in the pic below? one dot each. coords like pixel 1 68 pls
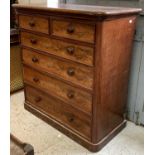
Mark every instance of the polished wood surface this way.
pixel 71 95
pixel 38 24
pixel 76 77
pixel 78 74
pixel 73 30
pixel 79 9
pixel 93 147
pixel 69 116
pixel 82 54
pixel 111 80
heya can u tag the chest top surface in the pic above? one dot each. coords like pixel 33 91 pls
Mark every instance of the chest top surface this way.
pixel 78 9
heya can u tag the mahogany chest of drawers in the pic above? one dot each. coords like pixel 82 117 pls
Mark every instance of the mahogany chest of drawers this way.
pixel 76 62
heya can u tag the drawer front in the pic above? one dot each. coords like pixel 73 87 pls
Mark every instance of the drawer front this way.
pixel 72 30
pixel 63 49
pixel 78 74
pixel 75 97
pixel 63 113
pixel 38 24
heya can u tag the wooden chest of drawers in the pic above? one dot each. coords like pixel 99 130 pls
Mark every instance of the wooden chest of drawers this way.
pixel 76 68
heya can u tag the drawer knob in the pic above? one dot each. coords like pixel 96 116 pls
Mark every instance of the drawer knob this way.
pixel 71 71
pixel 38 99
pixel 33 41
pixel 70 50
pixel 71 119
pixel 35 79
pixel 34 59
pixel 32 23
pixel 70 29
pixel 70 94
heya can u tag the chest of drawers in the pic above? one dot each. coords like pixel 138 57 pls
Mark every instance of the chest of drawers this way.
pixel 76 62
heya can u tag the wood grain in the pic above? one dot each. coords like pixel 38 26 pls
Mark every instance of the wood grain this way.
pixel 68 94
pixel 88 50
pixel 74 30
pixel 34 23
pixel 114 46
pixel 77 53
pixel 67 115
pixel 80 10
pixel 78 74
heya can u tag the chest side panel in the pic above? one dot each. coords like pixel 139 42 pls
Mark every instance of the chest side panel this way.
pixel 112 62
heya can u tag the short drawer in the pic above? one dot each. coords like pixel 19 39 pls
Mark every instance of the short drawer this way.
pixel 71 72
pixel 34 23
pixel 71 95
pixel 82 54
pixel 73 30
pixel 66 115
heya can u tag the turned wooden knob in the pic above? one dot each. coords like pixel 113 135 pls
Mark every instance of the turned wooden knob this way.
pixel 71 119
pixel 71 71
pixel 33 41
pixel 38 99
pixel 70 94
pixel 32 23
pixel 70 29
pixel 34 59
pixel 35 79
pixel 70 50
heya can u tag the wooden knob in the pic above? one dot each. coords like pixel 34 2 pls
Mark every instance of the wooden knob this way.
pixel 32 23
pixel 70 29
pixel 71 119
pixel 71 71
pixel 70 94
pixel 35 79
pixel 70 50
pixel 33 41
pixel 38 99
pixel 34 59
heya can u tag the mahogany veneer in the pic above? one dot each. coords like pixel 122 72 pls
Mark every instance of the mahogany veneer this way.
pixel 38 24
pixel 75 30
pixel 76 67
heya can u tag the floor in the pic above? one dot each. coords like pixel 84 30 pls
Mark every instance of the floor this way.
pixel 48 141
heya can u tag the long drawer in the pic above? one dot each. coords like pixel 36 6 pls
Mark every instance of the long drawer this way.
pixel 82 54
pixel 68 116
pixel 73 96
pixel 71 72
